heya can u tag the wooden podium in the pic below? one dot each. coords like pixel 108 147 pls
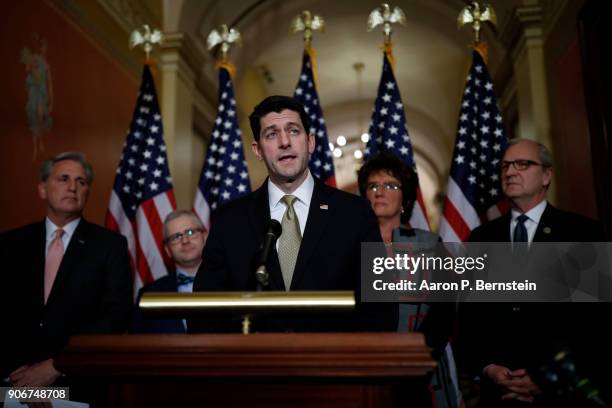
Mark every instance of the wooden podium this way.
pixel 258 370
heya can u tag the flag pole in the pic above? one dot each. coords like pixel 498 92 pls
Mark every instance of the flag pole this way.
pixel 224 176
pixel 320 163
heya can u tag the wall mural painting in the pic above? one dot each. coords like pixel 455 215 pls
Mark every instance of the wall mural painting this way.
pixel 39 89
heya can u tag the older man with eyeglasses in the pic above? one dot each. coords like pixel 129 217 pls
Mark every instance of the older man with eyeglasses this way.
pixel 184 239
pixel 505 342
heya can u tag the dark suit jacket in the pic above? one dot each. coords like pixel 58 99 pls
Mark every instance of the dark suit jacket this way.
pixel 329 258
pixel 92 292
pixel 525 335
pixel 144 324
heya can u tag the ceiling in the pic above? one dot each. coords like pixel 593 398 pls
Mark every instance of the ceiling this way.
pixel 432 59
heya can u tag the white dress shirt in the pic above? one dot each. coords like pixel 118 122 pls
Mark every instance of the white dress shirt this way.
pixel 531 224
pixel 68 233
pixel 301 205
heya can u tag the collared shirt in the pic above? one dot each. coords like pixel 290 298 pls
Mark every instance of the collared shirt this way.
pixel 68 232
pixel 301 205
pixel 531 224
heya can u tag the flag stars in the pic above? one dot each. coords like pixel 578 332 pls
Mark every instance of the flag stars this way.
pixel 459 159
pixel 386 98
pixel 390 143
pixel 154 129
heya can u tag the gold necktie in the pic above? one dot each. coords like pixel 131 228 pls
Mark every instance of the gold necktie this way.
pixel 289 241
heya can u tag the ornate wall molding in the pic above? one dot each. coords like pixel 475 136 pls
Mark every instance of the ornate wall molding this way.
pixel 130 14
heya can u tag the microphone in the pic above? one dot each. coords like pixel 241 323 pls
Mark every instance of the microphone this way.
pixel 562 380
pixel 261 273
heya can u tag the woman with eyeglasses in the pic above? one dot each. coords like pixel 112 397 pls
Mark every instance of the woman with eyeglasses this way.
pixel 390 185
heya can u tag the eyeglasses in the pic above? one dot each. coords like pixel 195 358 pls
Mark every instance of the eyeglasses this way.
pixel 178 237
pixel 519 165
pixel 374 187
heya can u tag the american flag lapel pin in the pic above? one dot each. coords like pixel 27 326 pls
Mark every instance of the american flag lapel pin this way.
pixel 324 207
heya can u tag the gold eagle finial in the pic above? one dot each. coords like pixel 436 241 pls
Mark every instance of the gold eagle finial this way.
pixel 225 36
pixel 475 15
pixel 384 16
pixel 146 38
pixel 307 22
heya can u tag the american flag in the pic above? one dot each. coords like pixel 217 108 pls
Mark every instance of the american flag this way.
pixel 474 192
pixel 321 163
pixel 388 132
pixel 224 175
pixel 142 195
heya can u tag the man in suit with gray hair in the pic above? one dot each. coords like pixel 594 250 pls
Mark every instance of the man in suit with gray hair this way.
pixel 62 276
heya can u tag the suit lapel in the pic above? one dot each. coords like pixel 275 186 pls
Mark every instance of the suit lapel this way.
pixel 545 231
pixel 259 217
pixel 318 217
pixel 39 262
pixel 72 254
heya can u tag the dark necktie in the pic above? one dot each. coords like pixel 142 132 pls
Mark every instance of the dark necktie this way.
pixel 183 279
pixel 520 232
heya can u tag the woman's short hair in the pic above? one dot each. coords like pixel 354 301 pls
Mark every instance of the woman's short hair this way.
pixel 393 165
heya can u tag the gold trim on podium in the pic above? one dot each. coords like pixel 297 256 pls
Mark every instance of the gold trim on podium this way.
pixel 245 304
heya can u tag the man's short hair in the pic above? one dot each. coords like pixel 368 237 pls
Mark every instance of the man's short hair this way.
pixel 179 213
pixel 276 103
pixel 47 166
pixel 543 153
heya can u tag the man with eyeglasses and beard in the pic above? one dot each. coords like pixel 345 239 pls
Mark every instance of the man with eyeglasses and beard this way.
pixel 184 239
pixel 505 343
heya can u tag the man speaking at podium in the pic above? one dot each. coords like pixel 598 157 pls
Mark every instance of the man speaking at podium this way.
pixel 322 231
